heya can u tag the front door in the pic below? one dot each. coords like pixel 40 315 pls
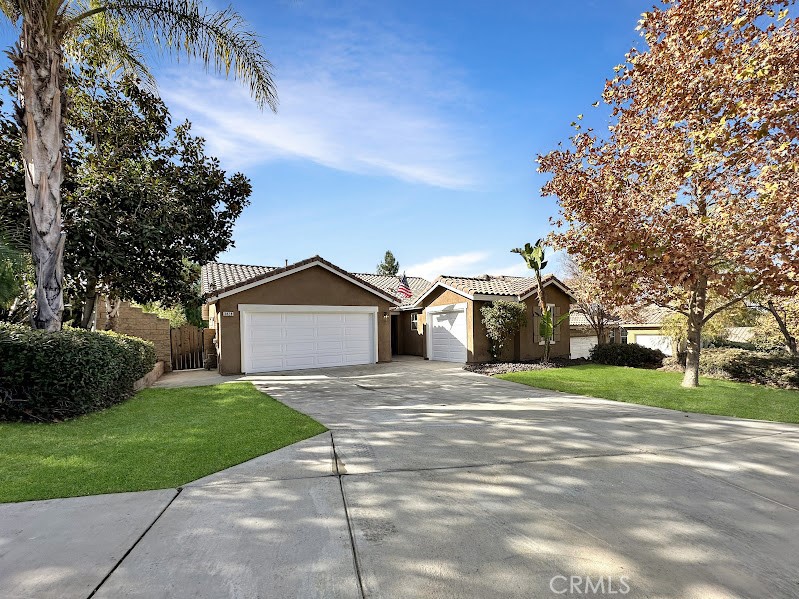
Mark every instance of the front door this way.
pixel 394 334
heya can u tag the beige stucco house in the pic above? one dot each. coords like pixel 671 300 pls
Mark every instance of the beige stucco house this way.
pixel 583 338
pixel 313 314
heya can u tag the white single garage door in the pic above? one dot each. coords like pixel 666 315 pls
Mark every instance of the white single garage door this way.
pixel 447 333
pixel 580 347
pixel 660 342
pixel 274 338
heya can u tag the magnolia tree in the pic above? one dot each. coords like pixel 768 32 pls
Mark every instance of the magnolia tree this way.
pixel 54 35
pixel 694 190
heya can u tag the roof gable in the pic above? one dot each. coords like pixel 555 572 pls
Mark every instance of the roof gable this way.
pixel 487 287
pixel 389 284
pixel 239 280
pixel 217 276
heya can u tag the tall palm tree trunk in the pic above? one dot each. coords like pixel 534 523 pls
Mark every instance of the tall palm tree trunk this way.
pixel 542 306
pixel 40 66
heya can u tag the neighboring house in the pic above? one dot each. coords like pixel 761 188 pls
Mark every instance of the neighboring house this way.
pixel 741 334
pixel 647 329
pixel 582 336
pixel 314 314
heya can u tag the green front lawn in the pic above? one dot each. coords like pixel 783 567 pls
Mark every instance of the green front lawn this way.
pixel 662 389
pixel 161 438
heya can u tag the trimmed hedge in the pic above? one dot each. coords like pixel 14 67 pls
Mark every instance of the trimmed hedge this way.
pixel 53 376
pixel 627 354
pixel 776 370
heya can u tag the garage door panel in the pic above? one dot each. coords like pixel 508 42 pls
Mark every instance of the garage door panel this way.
pixel 353 331
pixel 300 333
pixel 330 346
pixel 448 336
pixel 299 347
pixel 298 319
pixel 265 319
pixel 331 360
pixel 295 340
pixel 329 319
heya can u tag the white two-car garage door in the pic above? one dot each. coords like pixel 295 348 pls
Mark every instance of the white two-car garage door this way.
pixel 446 328
pixel 292 337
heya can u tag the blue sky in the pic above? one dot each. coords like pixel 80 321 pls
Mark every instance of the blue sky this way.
pixel 410 126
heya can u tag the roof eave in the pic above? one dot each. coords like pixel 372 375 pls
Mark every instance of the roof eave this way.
pixel 291 269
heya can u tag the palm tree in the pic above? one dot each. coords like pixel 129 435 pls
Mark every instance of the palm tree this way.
pixel 533 256
pixel 51 30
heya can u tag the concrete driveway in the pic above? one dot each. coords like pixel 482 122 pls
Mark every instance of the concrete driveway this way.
pixel 435 482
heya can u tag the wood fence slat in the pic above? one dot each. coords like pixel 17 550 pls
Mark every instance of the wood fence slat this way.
pixel 188 350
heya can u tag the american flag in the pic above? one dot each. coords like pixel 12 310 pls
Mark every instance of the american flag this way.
pixel 404 289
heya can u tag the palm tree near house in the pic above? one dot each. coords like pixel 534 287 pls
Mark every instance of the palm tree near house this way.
pixel 533 256
pixel 50 31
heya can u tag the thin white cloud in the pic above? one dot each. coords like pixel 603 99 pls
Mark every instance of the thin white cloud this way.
pixel 468 264
pixel 358 99
pixel 459 264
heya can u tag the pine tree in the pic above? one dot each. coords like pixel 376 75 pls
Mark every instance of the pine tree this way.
pixel 389 265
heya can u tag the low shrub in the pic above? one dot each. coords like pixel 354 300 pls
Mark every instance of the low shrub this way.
pixel 776 370
pixel 53 376
pixel 627 354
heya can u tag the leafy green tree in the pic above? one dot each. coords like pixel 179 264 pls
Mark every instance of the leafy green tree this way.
pixel 143 203
pixel 49 30
pixel 13 265
pixel 389 266
pixel 502 320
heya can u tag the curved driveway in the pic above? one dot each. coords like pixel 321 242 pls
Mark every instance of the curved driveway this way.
pixel 435 482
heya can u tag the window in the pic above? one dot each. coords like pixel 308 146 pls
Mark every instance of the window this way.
pixel 555 329
pixel 624 335
pixel 612 336
pixel 415 322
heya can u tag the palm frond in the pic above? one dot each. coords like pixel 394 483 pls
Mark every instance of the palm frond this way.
pixel 11 10
pixel 105 40
pixel 219 39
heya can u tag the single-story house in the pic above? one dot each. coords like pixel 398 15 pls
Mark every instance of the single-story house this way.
pixel 647 329
pixel 313 314
pixel 582 336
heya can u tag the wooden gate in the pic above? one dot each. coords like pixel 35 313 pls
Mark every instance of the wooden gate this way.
pixel 187 347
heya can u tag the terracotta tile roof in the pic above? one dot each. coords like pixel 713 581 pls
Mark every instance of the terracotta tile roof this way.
pixel 578 319
pixel 217 275
pixel 220 278
pixel 389 284
pixel 492 284
pixel 654 315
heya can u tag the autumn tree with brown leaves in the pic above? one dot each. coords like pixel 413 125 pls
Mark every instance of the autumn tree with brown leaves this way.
pixel 592 300
pixel 694 189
